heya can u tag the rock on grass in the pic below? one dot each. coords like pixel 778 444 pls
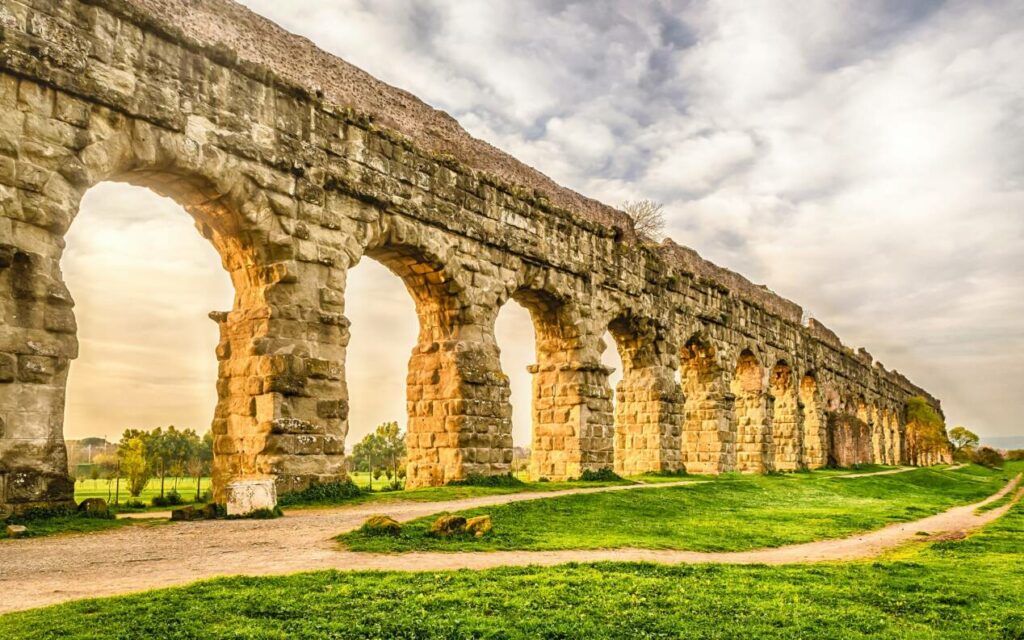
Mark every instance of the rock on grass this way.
pixel 380 525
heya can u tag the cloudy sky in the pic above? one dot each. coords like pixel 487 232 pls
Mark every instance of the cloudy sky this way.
pixel 865 159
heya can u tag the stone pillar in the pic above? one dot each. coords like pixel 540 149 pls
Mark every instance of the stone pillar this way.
pixel 878 433
pixel 787 430
pixel 814 424
pixel 573 422
pixel 648 421
pixel 648 401
pixel 899 447
pixel 37 338
pixel 460 421
pixel 754 450
pixel 709 437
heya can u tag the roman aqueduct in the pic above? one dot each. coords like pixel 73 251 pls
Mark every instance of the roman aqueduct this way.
pixel 296 166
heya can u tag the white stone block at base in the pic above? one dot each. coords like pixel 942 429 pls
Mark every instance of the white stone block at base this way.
pixel 246 496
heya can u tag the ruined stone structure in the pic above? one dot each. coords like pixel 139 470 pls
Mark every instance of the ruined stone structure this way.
pixel 295 166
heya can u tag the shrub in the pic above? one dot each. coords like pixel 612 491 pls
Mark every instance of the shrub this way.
pixel 40 513
pixel 665 473
pixel 604 474
pixel 1015 454
pixel 159 501
pixel 478 480
pixel 987 457
pixel 174 498
pixel 322 493
pixel 135 504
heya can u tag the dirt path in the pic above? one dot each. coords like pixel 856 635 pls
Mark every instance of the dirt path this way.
pixel 887 472
pixel 38 572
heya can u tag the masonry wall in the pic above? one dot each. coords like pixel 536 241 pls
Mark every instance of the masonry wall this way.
pixel 295 173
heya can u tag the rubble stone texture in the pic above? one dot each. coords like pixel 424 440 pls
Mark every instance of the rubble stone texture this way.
pixel 296 166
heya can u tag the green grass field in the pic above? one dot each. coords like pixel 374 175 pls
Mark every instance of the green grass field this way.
pixel 100 489
pixel 970 589
pixel 730 513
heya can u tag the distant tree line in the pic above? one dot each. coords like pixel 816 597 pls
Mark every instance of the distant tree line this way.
pixel 141 456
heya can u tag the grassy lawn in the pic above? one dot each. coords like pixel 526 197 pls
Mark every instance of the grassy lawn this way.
pixel 99 489
pixel 730 513
pixel 970 589
pixel 55 525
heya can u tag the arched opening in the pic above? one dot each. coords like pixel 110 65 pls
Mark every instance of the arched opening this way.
pixel 813 417
pixel 518 346
pixel 383 330
pixel 787 431
pixel 443 411
pixel 570 416
pixel 144 283
pixel 753 416
pixel 612 360
pixel 709 437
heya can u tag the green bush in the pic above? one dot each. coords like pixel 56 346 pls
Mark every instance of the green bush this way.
pixel 32 514
pixel 479 480
pixel 159 501
pixel 174 498
pixel 322 493
pixel 987 457
pixel 600 475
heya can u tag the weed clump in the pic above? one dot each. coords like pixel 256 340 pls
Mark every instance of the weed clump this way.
pixel 322 493
pixel 604 474
pixel 478 480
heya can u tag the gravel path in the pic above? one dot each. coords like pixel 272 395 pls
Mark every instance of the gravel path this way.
pixel 38 572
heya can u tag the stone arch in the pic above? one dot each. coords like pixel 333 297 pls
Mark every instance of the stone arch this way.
pixel 786 419
pixel 571 408
pixel 709 438
pixel 752 415
pixel 269 379
pixel 459 417
pixel 649 404
pixel 814 422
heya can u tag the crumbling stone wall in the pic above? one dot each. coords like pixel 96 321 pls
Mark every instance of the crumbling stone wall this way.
pixel 296 166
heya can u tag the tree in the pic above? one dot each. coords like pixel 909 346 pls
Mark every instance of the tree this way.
pixel 648 217
pixel 200 455
pixel 962 438
pixel 392 447
pixel 381 452
pixel 134 463
pixel 368 453
pixel 106 464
